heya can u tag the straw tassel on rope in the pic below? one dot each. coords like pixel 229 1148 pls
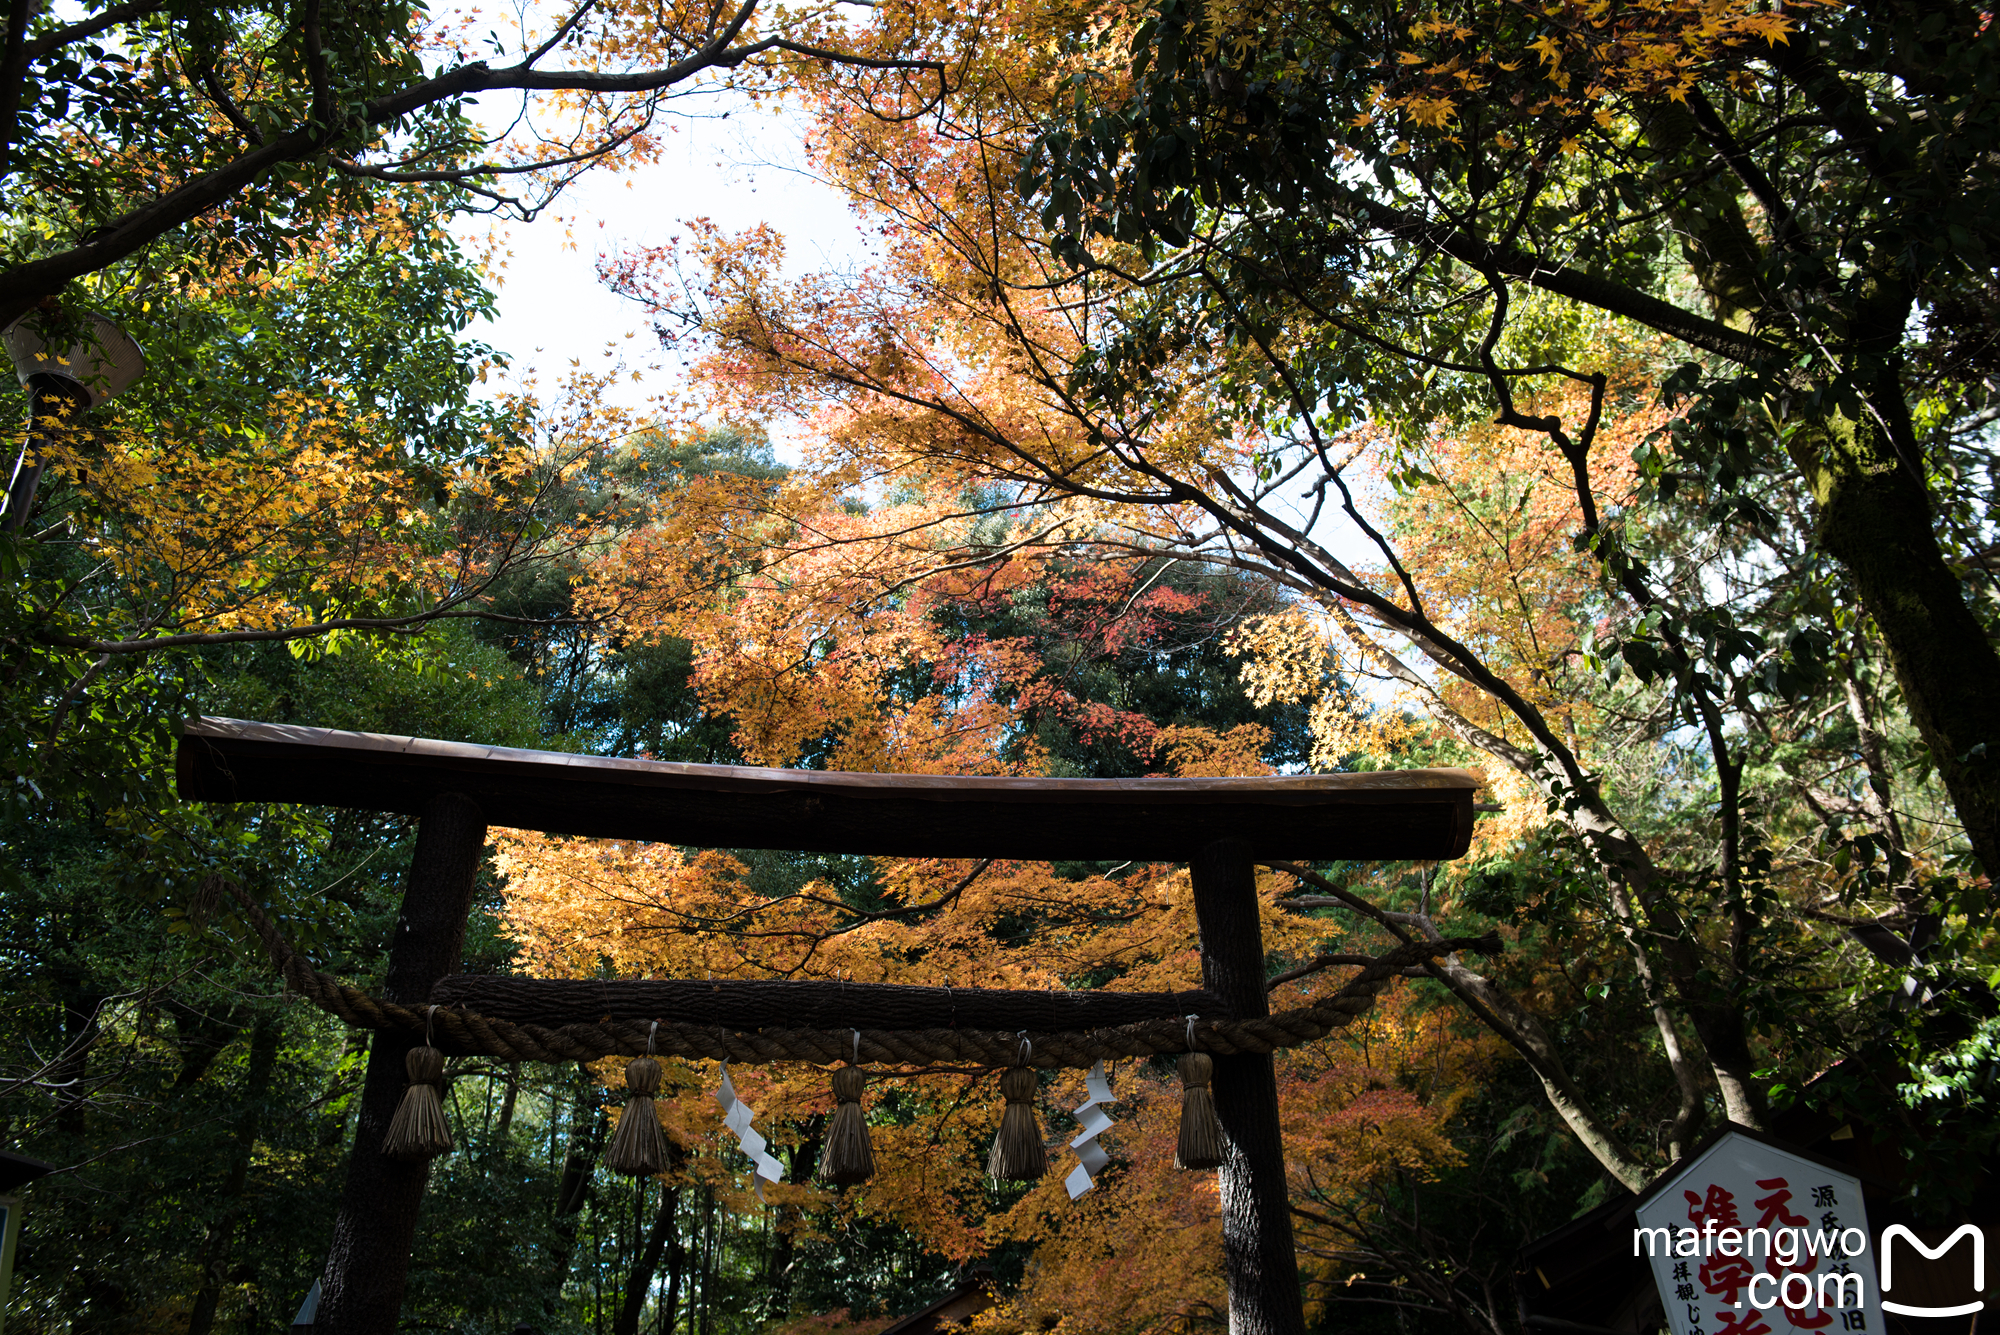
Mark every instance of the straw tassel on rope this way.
pixel 1200 1144
pixel 849 1156
pixel 419 1130
pixel 1018 1153
pixel 638 1147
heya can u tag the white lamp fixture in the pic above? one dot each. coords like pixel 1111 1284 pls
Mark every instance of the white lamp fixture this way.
pixel 103 369
pixel 61 385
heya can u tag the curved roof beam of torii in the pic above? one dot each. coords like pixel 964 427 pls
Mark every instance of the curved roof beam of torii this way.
pixel 1396 814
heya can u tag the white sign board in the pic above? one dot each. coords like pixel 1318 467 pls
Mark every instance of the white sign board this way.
pixel 1750 1239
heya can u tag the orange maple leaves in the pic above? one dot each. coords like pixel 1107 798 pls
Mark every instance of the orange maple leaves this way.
pixel 1142 1251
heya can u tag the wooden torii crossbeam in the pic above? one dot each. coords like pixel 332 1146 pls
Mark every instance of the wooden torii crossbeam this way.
pixel 1400 814
pixel 1220 827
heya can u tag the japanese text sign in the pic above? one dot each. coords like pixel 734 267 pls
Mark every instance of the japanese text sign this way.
pixel 1750 1239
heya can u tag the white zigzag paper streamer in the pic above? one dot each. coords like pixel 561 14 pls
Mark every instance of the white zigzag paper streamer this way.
pixel 1090 1156
pixel 737 1116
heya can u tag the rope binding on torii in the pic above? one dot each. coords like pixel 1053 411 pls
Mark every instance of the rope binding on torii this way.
pixel 464 1032
pixel 467 1032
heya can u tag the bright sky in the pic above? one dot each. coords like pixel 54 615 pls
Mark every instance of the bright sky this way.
pixel 737 170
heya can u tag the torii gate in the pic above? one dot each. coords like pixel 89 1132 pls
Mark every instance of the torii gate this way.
pixel 1220 827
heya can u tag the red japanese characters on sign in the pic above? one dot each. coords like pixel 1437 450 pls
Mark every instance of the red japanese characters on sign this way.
pixel 1750 1239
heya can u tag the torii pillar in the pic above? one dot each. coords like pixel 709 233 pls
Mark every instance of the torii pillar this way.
pixel 1258 1254
pixel 368 1265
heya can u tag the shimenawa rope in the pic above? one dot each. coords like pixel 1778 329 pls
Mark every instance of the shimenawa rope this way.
pixel 468 1032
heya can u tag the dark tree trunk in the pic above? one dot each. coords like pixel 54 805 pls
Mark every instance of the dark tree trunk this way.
pixel 1875 514
pixel 1880 527
pixel 1263 1268
pixel 256 1087
pixel 507 1107
pixel 362 1290
pixel 81 1001
pixel 586 1140
pixel 640 1282
pixel 201 1037
pixel 700 1309
pixel 676 1266
pixel 784 1251
pixel 580 1165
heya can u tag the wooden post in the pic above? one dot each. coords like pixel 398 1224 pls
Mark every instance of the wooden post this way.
pixel 1263 1269
pixel 361 1292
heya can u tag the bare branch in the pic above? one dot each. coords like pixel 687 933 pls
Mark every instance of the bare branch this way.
pixel 212 84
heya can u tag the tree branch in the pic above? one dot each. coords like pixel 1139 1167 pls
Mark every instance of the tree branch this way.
pixel 212 84
pixel 50 42
pixel 25 284
pixel 1499 1011
pixel 1695 330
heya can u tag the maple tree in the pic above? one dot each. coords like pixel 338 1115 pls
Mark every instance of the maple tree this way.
pixel 798 648
pixel 1218 326
pixel 1786 154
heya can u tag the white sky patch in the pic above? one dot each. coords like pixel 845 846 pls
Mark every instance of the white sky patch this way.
pixel 724 160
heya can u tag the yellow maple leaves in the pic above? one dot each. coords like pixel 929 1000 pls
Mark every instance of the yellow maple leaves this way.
pixel 269 529
pixel 1657 49
pixel 310 513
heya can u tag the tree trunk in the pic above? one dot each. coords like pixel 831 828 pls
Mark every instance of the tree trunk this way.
pixel 507 1106
pixel 1875 519
pixel 201 1037
pixel 70 1073
pixel 805 1162
pixel 676 1264
pixel 701 1315
pixel 256 1086
pixel 1263 1267
pixel 361 1292
pixel 586 1140
pixel 1874 508
pixel 640 1282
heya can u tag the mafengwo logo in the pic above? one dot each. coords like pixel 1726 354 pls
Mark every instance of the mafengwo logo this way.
pixel 1752 1237
pixel 1791 1277
pixel 1966 1233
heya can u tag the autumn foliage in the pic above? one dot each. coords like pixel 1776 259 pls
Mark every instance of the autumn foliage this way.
pixel 804 653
